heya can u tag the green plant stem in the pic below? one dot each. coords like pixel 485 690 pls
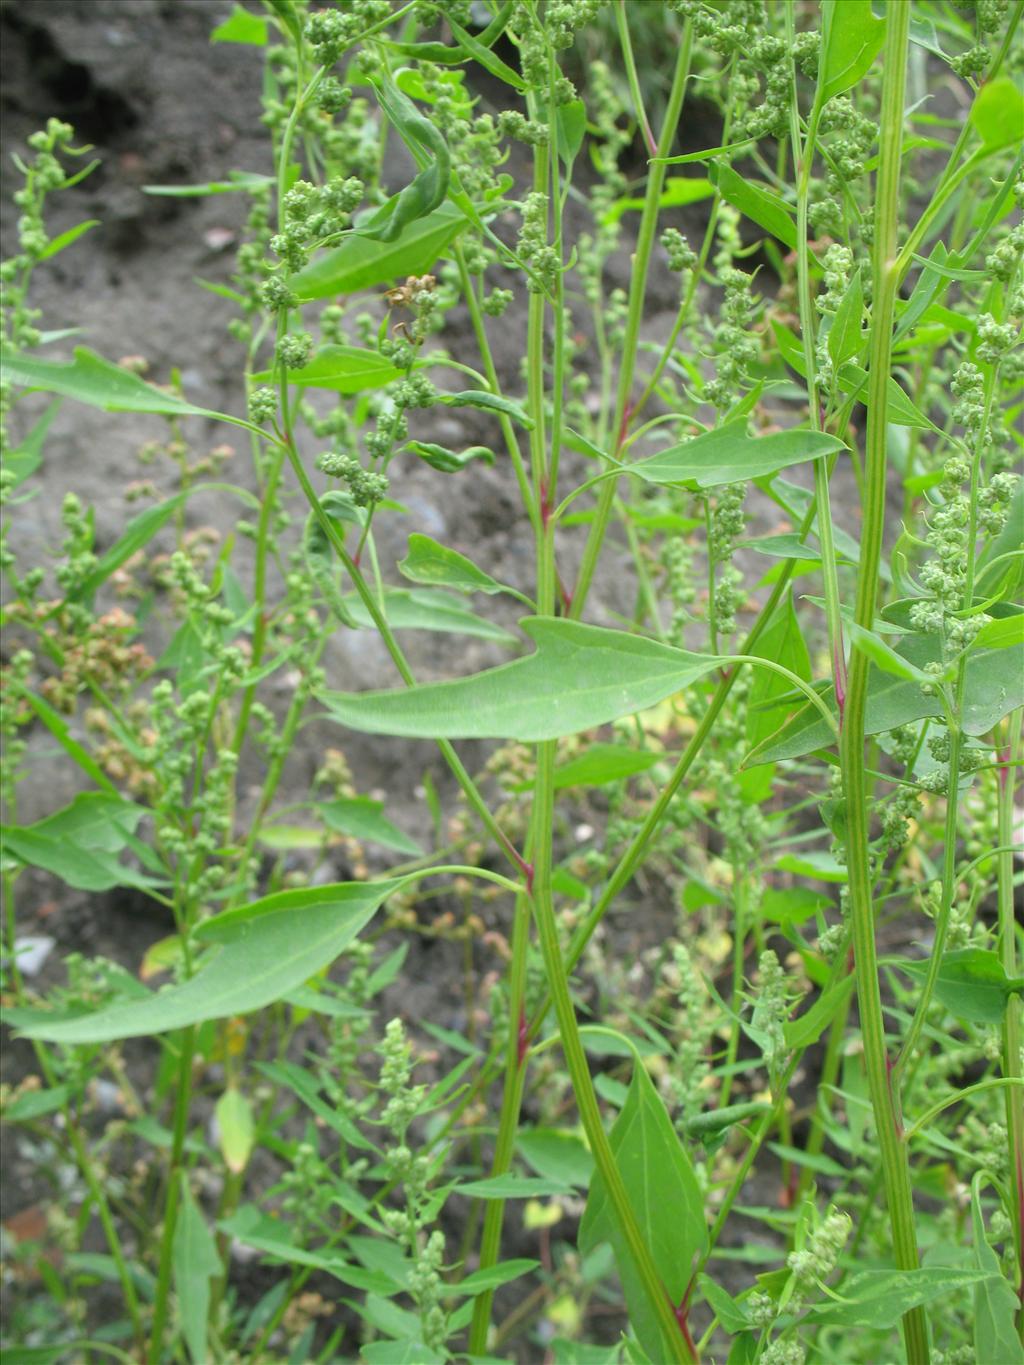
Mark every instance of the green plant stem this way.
pixel 182 1102
pixel 508 1119
pixel 579 1070
pixel 637 294
pixel 1012 1023
pixel 803 155
pixel 884 1101
pixel 508 431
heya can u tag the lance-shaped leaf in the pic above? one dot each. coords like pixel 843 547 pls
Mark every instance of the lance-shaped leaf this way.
pixel 361 263
pixel 666 1199
pixel 196 1263
pixel 345 369
pixel 994 687
pixel 972 984
pixel 729 455
pixel 258 954
pixel 98 382
pixel 761 206
pixel 429 562
pixel 851 40
pixel 580 676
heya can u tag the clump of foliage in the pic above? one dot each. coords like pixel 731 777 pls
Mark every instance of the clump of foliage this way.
pixel 784 780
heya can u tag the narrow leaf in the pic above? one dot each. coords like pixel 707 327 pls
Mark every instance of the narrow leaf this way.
pixel 98 382
pixel 426 609
pixel 25 459
pixel 665 1198
pixel 877 1299
pixel 487 402
pixel 997 113
pixel 995 1303
pixel 580 676
pixel 449 461
pixel 360 263
pixel 66 238
pixel 729 455
pixel 196 1263
pixel 972 984
pixel 759 205
pixel 429 562
pixel 260 952
pixel 343 369
pixel 237 1129
pixel 851 40
pixel 241 27
pixel 362 818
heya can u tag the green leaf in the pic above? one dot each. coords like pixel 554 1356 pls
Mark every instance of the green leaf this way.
pixel 405 1351
pixel 58 727
pixel 241 27
pixel 428 561
pixel 487 402
pixel 81 843
pixel 995 1303
pixel 237 1129
pixel 844 335
pixel 571 125
pixel 260 952
pixel 25 459
pixel 851 40
pixel 343 369
pixel 886 657
pixel 448 461
pixel 726 1309
pixel 307 1088
pixel 603 763
pixel 93 380
pixel 791 905
pixel 877 1299
pixel 238 182
pixel 360 263
pixel 782 643
pixel 34 1104
pixel 196 1263
pixel 994 687
pixel 481 52
pixel 511 1186
pixel 288 15
pixel 427 191
pixel 788 546
pixel 579 677
pixel 137 534
pixel 665 1198
pixel 997 113
pixel 557 1155
pixel 426 609
pixel 1000 633
pixel 66 238
pixel 972 984
pixel 729 455
pixel 761 206
pixel 808 1028
pixel 900 410
pixel 360 817
pixel 678 191
pixel 481 1281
